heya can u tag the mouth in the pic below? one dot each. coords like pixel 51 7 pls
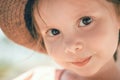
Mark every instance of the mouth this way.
pixel 82 62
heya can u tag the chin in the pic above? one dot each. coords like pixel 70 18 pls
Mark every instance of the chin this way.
pixel 88 73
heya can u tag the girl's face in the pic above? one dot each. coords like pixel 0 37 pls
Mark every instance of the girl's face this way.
pixel 80 35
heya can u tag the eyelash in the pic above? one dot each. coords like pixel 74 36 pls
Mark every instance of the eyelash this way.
pixel 57 32
pixel 89 18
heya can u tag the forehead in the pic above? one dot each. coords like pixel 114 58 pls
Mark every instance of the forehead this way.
pixel 53 10
pixel 71 5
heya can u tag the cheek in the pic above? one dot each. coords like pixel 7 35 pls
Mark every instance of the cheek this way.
pixel 56 52
pixel 103 39
pixel 54 49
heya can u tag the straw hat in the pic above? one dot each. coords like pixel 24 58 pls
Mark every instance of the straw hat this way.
pixel 16 23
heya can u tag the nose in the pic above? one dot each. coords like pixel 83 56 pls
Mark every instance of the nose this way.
pixel 74 47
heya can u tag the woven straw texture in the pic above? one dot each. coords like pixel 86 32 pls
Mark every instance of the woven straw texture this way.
pixel 13 24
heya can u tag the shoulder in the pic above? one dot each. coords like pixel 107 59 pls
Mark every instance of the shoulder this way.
pixel 39 73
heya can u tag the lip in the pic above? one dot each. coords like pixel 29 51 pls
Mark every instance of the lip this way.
pixel 82 62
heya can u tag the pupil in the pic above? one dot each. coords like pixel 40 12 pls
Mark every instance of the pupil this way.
pixel 87 20
pixel 55 32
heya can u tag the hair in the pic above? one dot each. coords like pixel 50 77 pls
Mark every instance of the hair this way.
pixel 116 4
pixel 33 27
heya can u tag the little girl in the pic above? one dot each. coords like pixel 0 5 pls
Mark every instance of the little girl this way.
pixel 80 35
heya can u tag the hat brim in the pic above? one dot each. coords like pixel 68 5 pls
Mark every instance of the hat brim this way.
pixel 13 24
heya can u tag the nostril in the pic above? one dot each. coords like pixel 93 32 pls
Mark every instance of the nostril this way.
pixel 77 49
pixel 74 49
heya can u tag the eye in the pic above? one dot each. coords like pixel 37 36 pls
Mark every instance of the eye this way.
pixel 53 32
pixel 84 21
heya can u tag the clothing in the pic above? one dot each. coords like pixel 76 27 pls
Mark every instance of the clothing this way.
pixel 41 73
pixel 58 74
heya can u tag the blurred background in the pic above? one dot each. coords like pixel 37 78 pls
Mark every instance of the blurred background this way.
pixel 15 59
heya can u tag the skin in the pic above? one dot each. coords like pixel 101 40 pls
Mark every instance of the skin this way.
pixel 98 40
